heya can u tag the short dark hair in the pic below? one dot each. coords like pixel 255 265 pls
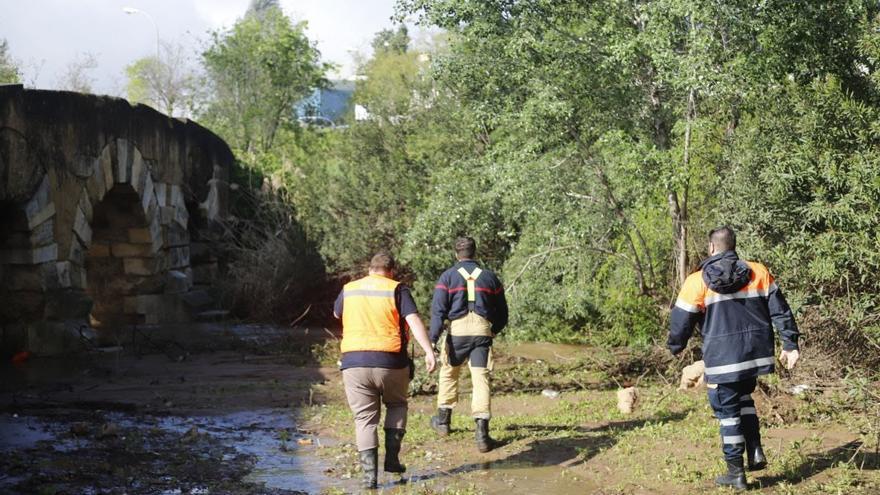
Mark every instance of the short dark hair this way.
pixel 465 247
pixel 383 261
pixel 724 238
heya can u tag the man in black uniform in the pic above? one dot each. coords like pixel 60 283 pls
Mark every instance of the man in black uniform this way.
pixel 472 299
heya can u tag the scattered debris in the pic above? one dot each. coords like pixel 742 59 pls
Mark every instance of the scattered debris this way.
pixel 627 399
pixel 550 393
pixel 191 435
pixel 109 430
pixel 304 441
pixel 799 389
pixel 80 428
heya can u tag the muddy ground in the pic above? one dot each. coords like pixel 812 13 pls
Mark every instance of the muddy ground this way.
pixel 254 410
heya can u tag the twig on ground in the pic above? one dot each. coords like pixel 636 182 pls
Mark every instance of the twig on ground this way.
pixel 294 322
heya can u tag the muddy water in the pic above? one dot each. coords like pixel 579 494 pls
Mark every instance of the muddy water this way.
pixel 219 421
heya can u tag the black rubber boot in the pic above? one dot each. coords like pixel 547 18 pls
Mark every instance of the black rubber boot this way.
pixel 393 437
pixel 485 443
pixel 757 460
pixel 735 477
pixel 442 422
pixel 370 465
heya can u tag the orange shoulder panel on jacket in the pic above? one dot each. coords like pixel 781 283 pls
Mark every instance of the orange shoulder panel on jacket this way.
pixel 761 279
pixel 692 294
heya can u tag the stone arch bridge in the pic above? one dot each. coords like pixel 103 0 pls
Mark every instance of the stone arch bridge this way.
pixel 108 217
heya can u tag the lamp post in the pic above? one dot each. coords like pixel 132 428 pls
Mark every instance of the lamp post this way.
pixel 132 10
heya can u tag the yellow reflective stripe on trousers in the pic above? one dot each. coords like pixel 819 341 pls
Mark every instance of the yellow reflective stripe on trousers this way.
pixel 471 279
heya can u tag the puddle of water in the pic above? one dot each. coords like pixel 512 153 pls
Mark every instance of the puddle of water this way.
pixel 22 432
pixel 547 351
pixel 270 435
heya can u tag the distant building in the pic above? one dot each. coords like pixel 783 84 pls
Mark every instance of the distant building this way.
pixel 326 106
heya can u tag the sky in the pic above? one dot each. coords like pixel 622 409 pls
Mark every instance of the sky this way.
pixel 46 35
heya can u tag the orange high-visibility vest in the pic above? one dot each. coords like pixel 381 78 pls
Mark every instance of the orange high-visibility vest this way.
pixel 370 319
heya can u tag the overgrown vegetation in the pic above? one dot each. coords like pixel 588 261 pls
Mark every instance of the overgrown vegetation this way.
pixel 588 147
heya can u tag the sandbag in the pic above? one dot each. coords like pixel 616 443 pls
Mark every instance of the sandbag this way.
pixel 692 376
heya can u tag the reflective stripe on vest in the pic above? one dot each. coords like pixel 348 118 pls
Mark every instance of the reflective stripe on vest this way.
pixel 370 319
pixel 471 279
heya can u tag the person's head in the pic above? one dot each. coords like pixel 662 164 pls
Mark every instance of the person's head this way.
pixel 383 263
pixel 722 239
pixel 465 248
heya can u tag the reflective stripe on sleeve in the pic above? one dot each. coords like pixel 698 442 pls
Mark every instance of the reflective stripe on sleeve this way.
pixel 745 397
pixel 747 411
pixel 729 421
pixel 733 439
pixel 690 308
pixel 745 365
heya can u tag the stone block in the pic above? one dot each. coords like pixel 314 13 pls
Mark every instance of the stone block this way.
pixel 21 306
pixel 161 193
pixel 176 235
pixel 138 170
pixel 140 236
pixel 166 214
pixel 77 252
pixel 177 282
pixel 148 194
pixel 64 304
pixel 40 207
pixel 96 186
pixel 48 338
pixel 43 234
pixel 23 278
pixel 86 205
pixel 126 250
pixel 81 228
pixel 99 250
pixel 156 233
pixel 142 266
pixel 105 162
pixel 124 158
pixel 178 257
pixel 181 216
pixel 29 256
pixel 175 197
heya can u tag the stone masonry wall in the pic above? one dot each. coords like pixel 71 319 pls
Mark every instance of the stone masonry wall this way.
pixel 100 205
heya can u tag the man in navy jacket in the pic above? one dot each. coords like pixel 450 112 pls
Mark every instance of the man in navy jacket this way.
pixel 472 299
pixel 737 304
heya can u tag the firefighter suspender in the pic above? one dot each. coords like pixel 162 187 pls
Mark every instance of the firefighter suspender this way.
pixel 471 279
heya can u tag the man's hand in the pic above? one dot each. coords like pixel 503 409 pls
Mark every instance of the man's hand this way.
pixel 789 358
pixel 430 362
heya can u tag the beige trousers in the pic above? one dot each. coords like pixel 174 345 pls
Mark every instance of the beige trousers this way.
pixel 472 325
pixel 364 388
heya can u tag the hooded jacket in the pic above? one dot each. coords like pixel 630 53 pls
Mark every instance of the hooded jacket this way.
pixel 737 304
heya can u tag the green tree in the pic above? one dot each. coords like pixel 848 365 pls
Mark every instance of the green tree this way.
pixel 257 70
pixel 391 40
pixel 169 83
pixel 10 73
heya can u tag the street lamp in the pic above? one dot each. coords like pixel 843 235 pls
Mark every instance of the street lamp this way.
pixel 132 10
